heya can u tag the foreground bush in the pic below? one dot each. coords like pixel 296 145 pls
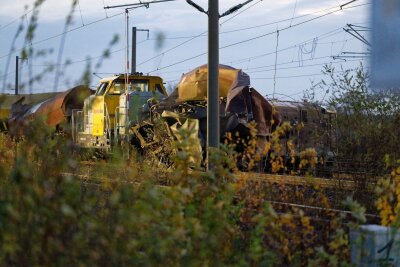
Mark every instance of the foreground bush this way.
pixel 51 217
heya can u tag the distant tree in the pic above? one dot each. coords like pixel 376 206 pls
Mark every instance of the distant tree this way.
pixel 367 121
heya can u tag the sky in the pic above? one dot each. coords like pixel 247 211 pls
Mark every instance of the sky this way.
pixel 282 45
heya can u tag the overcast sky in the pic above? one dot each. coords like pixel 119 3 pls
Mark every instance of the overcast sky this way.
pixel 310 35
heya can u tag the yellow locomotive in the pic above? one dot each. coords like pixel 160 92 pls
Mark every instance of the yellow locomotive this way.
pixel 118 103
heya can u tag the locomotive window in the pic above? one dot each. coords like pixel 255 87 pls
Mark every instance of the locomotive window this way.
pixel 140 85
pixel 304 116
pixel 102 88
pixel 117 88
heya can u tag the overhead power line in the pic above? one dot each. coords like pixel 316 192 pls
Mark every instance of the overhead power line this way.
pixel 320 37
pixel 195 36
pixel 287 62
pixel 292 76
pixel 355 30
pixel 271 66
pixel 16 19
pixel 235 8
pixel 284 77
pixel 251 39
pixel 259 69
pixel 240 12
pixel 77 61
pixel 196 6
pixel 257 37
pixel 141 3
pixel 289 27
pixel 5 75
pixel 235 30
pixel 304 66
pixel 203 34
pixel 61 34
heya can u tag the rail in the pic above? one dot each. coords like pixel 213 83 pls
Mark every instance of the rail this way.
pixel 343 184
pixel 89 181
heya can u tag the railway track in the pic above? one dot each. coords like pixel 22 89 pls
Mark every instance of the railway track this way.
pixel 98 183
pixel 338 181
pixel 324 183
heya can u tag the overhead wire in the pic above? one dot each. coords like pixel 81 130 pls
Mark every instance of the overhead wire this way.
pixel 303 51
pixel 286 63
pixel 320 37
pixel 304 66
pixel 105 9
pixel 58 71
pixel 240 12
pixel 229 31
pixel 83 60
pixel 80 12
pixel 283 49
pixel 77 61
pixel 256 37
pixel 16 19
pixel 272 67
pixel 291 76
pixel 293 67
pixel 294 11
pixel 276 57
pixel 276 22
pixel 5 75
pixel 235 30
pixel 279 64
pixel 68 31
pixel 289 27
pixel 170 49
pixel 193 37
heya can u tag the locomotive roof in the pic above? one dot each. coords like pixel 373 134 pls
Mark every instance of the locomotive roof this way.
pixel 131 76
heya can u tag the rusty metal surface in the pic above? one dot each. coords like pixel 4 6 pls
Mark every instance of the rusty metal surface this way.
pixel 7 100
pixel 60 106
pixel 248 101
pixel 54 109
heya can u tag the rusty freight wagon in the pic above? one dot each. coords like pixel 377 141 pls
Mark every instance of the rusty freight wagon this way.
pixel 54 108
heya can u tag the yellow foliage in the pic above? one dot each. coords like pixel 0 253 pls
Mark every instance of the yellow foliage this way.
pixel 388 202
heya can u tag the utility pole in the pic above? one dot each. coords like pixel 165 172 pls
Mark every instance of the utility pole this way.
pixel 133 61
pixel 213 76
pixel 16 75
pixel 213 70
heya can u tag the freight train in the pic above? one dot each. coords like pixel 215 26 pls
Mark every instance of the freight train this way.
pixel 127 110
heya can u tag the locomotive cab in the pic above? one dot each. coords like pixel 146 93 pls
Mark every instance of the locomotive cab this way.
pixel 119 102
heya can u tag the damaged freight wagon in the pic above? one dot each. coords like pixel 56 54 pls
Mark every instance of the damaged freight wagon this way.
pixel 8 100
pixel 55 109
pixel 186 107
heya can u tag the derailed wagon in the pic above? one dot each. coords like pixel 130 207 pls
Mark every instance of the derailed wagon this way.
pixel 55 109
pixel 240 106
pixel 7 101
pixel 134 111
pixel 243 112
